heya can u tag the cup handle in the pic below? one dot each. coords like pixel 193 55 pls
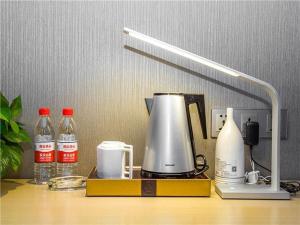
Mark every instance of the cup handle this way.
pixel 129 149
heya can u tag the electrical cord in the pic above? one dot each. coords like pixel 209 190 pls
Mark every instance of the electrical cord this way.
pixel 251 139
pixel 266 179
pixel 290 186
pixel 203 166
pixel 251 155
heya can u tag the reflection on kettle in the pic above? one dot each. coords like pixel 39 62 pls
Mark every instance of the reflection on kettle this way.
pixel 170 150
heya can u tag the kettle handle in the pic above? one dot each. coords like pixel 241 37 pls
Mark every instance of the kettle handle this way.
pixel 199 100
pixel 149 102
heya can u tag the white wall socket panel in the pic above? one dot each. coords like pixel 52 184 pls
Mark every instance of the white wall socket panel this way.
pixel 241 116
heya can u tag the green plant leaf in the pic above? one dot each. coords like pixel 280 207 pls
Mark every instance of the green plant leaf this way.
pixel 14 126
pixel 4 156
pixel 11 156
pixel 15 155
pixel 16 107
pixel 22 136
pixel 3 127
pixel 11 135
pixel 5 113
pixel 3 101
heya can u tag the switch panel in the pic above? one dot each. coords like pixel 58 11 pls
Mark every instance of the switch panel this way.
pixel 241 116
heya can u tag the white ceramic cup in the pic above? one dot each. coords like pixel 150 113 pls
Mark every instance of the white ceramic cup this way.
pixel 111 160
pixel 252 177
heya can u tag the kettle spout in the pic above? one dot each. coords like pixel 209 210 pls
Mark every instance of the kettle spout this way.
pixel 148 102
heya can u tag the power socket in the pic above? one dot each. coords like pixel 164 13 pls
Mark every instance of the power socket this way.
pixel 241 116
pixel 220 121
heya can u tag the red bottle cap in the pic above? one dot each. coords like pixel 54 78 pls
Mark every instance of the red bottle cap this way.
pixel 67 111
pixel 44 111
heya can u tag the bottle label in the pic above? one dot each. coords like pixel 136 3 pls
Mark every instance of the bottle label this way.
pixel 44 152
pixel 226 169
pixel 67 152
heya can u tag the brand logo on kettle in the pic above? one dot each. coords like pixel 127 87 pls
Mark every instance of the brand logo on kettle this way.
pixel 170 164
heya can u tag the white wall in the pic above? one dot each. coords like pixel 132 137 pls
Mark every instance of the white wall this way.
pixel 58 54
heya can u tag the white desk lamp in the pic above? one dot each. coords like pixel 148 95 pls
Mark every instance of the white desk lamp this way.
pixel 245 191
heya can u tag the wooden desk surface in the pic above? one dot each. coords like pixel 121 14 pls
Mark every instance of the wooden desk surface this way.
pixel 25 203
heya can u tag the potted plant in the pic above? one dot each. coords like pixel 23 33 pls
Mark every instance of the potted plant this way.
pixel 12 135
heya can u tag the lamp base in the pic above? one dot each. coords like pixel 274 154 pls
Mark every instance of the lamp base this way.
pixel 249 191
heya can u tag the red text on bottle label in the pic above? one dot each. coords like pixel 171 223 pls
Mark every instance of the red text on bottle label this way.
pixel 44 152
pixel 67 152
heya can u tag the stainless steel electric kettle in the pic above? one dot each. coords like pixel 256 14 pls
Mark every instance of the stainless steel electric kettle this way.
pixel 170 149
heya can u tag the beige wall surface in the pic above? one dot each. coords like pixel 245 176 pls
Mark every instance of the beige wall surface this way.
pixel 72 54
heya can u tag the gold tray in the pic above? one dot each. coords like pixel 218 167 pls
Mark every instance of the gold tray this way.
pixel 143 187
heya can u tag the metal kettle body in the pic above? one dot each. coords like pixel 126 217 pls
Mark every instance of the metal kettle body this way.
pixel 169 149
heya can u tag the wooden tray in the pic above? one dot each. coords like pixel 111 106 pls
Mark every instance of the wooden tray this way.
pixel 143 187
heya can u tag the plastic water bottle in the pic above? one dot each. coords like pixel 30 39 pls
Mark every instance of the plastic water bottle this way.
pixel 44 154
pixel 67 146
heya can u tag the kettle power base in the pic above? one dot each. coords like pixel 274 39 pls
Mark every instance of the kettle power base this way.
pixel 250 191
pixel 199 186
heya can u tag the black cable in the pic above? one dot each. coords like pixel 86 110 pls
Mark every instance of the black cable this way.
pixel 290 186
pixel 251 155
pixel 251 139
pixel 203 167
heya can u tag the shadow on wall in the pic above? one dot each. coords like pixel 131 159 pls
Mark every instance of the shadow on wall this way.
pixel 186 70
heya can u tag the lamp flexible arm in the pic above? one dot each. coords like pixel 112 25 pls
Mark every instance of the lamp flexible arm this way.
pixel 229 71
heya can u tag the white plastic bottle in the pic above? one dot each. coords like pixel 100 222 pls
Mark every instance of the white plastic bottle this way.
pixel 67 146
pixel 229 163
pixel 44 154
